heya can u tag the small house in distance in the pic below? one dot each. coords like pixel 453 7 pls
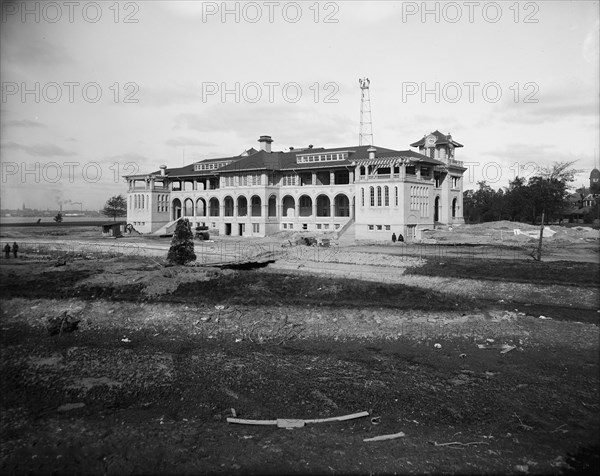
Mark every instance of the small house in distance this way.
pixel 113 229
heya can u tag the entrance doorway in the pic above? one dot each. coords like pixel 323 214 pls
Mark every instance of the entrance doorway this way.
pixel 242 227
pixel 436 209
pixel 228 229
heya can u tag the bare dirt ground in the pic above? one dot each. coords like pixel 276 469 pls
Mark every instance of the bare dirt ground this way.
pixel 163 355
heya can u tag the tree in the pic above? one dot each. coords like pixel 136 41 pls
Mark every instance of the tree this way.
pixel 518 200
pixel 58 218
pixel 549 190
pixel 182 244
pixel 115 207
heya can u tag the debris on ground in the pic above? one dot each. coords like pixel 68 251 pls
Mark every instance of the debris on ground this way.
pixel 296 423
pixel 70 406
pixel 62 323
pixel 386 437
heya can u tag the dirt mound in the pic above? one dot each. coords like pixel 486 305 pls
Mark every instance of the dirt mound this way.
pixel 155 282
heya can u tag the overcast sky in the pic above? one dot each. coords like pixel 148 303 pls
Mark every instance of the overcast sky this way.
pixel 93 91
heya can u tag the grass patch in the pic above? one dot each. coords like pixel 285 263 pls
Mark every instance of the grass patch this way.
pixel 556 272
pixel 249 287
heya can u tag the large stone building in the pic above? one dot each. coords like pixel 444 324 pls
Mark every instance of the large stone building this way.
pixel 374 191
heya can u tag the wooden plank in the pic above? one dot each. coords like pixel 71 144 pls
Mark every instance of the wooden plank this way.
pixel 241 421
pixel 289 423
pixel 340 418
pixel 386 437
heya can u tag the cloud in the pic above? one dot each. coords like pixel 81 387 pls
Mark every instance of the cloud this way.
pixel 33 51
pixel 590 47
pixel 290 122
pixel 23 123
pixel 570 103
pixel 171 94
pixel 39 150
pixel 186 141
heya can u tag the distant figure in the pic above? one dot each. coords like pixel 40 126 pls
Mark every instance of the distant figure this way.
pixel 39 220
pixel 400 238
pixel 7 251
pixel 393 237
pixel 15 249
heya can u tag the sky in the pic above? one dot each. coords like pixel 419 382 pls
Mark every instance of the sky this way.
pixel 92 91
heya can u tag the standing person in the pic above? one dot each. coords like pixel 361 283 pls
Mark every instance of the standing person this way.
pixel 15 249
pixel 7 251
pixel 393 237
pixel 400 238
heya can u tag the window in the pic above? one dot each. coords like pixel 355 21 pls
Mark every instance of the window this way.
pixel 455 182
pixel 386 196
pixel 379 227
pixel 285 226
pixel 337 226
pixel 326 226
pixel 289 180
pixel 388 227
pixel 319 226
pixel 378 196
pixel 370 227
pixel 396 194
pixel 372 191
pixel 291 226
pixel 304 226
pixel 255 227
pixel 362 197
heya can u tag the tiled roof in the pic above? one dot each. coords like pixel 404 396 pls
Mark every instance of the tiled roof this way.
pixel 440 139
pixel 262 160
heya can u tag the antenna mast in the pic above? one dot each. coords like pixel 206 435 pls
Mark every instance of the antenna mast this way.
pixel 365 136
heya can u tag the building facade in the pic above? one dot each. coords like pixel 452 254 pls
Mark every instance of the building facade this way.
pixel 377 191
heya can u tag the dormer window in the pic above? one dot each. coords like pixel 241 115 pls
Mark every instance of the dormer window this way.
pixel 306 158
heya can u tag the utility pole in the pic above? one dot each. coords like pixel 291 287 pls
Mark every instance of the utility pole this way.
pixel 539 250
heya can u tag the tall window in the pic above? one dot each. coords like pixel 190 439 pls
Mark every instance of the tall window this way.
pixel 386 196
pixel 378 196
pixel 396 194
pixel 362 197
pixel 372 196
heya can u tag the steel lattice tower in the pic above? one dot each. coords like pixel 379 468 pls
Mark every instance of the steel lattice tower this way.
pixel 365 136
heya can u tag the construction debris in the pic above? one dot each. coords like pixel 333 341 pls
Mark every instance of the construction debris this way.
pixel 62 323
pixel 386 437
pixel 295 423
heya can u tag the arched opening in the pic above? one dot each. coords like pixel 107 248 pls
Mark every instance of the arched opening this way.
pixel 323 206
pixel 305 204
pixel 256 205
pixel 213 206
pixel 362 170
pixel 289 206
pixel 242 206
pixel 200 207
pixel 436 209
pixel 372 196
pixel 176 209
pixel 272 206
pixel 228 203
pixel 454 208
pixel 342 206
pixel 188 207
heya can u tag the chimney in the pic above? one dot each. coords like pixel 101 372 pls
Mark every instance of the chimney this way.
pixel 265 143
pixel 163 170
pixel 371 151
